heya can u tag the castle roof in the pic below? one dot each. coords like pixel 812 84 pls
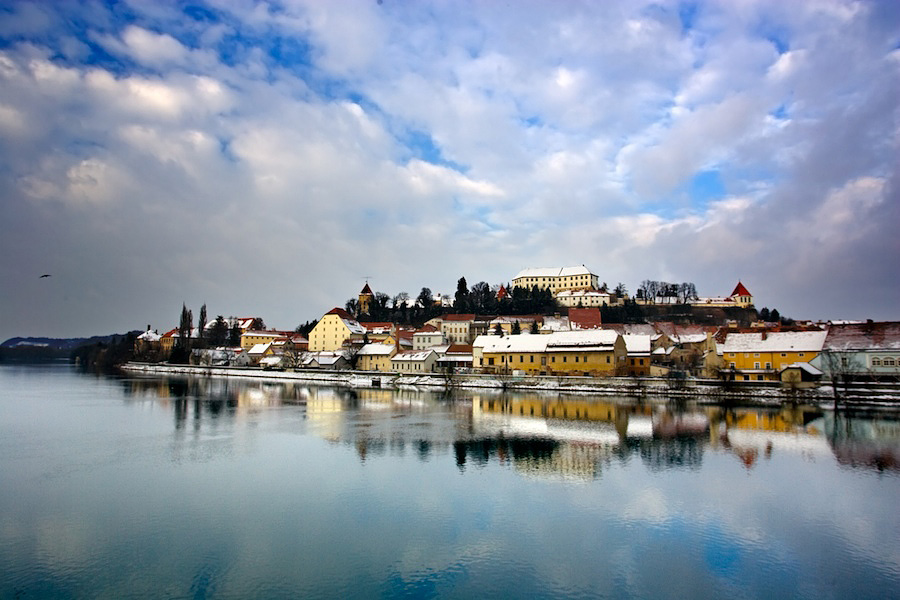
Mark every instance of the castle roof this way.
pixel 740 290
pixel 366 290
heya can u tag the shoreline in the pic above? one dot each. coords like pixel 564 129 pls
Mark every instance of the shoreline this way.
pixel 699 390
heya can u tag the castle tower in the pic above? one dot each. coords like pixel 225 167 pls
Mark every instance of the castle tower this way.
pixel 741 296
pixel 366 297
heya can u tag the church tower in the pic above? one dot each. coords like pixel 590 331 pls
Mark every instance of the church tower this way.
pixel 366 297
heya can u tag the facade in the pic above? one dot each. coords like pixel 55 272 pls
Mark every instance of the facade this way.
pixel 462 328
pixel 333 329
pixel 557 279
pixel 422 361
pixel 637 363
pixel 761 356
pixel 366 297
pixel 252 338
pixel 582 298
pixel 375 357
pixel 592 352
pixel 869 350
pixel 428 337
pixel 740 297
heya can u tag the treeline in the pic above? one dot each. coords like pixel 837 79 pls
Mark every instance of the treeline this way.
pixel 480 299
pixel 219 333
pixel 103 356
pixel 650 290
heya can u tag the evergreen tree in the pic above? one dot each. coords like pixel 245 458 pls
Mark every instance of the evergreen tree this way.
pixel 516 328
pixel 201 324
pixel 461 299
pixel 218 333
pixel 534 327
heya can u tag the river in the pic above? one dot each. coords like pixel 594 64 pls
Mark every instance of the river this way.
pixel 152 487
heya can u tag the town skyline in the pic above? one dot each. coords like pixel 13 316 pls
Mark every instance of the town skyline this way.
pixel 266 158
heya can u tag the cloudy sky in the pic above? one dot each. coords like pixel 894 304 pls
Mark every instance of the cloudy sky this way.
pixel 264 157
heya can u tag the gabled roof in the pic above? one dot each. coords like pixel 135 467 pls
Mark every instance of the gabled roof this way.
pixel 376 350
pixel 637 344
pixel 774 341
pixel 341 313
pixel 864 336
pixel 553 272
pixel 460 317
pixel 740 290
pixel 584 318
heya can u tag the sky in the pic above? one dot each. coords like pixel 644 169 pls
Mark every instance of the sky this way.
pixel 267 158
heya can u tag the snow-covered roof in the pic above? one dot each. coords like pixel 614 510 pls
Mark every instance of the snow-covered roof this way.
pixel 558 341
pixel 553 272
pixel 149 336
pixel 688 338
pixel 323 358
pixel 804 366
pixel 513 343
pixel 637 344
pixel 376 350
pixel 259 348
pixel 414 356
pixel 270 361
pixel 581 294
pixel 774 341
pixel 864 336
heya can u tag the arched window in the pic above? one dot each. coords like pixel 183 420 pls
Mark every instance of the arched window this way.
pixel 888 362
pixel 876 362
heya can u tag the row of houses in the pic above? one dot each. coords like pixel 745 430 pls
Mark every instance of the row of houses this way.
pixel 574 343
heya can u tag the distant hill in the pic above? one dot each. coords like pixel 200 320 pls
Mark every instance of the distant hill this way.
pixel 37 349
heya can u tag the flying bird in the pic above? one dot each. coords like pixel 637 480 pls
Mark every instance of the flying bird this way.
pixel 44 275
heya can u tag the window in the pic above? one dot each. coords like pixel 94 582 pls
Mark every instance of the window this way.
pixel 756 355
pixel 768 365
pixel 531 358
pixel 491 361
pixel 553 359
pixel 521 358
pixel 888 362
pixel 876 362
pixel 607 359
pixel 564 359
pixel 759 377
pixel 756 365
pixel 576 359
pixel 802 354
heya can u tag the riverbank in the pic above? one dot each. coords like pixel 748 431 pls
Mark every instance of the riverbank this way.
pixel 698 390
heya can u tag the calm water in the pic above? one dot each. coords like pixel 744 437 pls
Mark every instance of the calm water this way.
pixel 231 489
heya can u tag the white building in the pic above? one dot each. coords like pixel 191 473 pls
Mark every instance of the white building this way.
pixel 557 279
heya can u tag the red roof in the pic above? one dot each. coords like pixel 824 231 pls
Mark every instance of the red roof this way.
pixel 585 318
pixel 376 325
pixel 502 293
pixel 367 290
pixel 463 317
pixel 427 329
pixel 341 313
pixel 740 290
pixel 459 349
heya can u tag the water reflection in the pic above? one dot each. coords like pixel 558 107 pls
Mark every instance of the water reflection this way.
pixel 573 437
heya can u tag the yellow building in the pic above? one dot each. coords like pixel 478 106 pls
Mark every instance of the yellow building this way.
pixel 760 356
pixel 375 357
pixel 557 279
pixel 593 352
pixel 252 338
pixel 332 330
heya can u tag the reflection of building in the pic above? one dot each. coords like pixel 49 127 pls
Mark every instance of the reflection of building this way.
pixel 751 433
